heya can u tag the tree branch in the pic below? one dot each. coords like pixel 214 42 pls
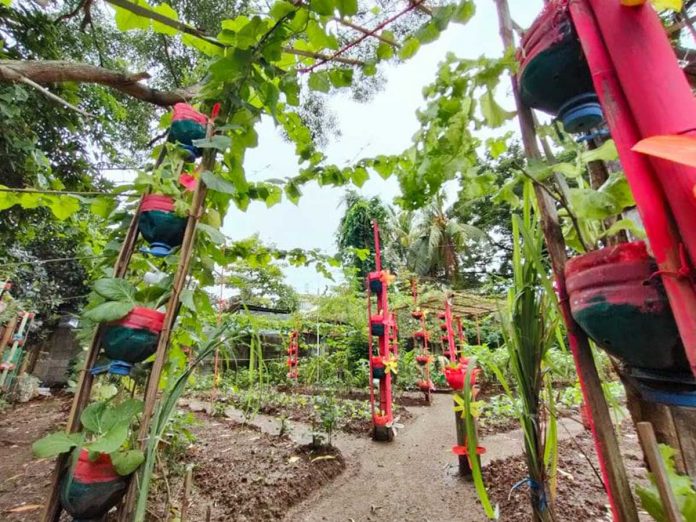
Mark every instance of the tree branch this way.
pixel 56 71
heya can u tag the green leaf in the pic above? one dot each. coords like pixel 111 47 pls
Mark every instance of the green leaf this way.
pixel 347 7
pixel 115 289
pixel 281 8
pixel 111 441
pixel 203 46
pixel 165 10
pixel 409 48
pixel 625 224
pixel 6 2
pixel 62 207
pixel 55 444
pixel 187 299
pixel 493 113
pixel 127 20
pixel 464 12
pixel 102 207
pixel 8 200
pixel 30 200
pixel 591 204
pixel 109 311
pixel 617 187
pixel 428 32
pixel 122 413
pixel 360 176
pixel 323 7
pixel 219 142
pixel 126 462
pixel 292 191
pixel 214 234
pixel 318 37
pixel 671 5
pixel 92 415
pixel 341 77
pixel 275 196
pixel 216 183
pixel 606 152
pixel 319 81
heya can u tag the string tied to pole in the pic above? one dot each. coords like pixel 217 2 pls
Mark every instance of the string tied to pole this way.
pixel 537 488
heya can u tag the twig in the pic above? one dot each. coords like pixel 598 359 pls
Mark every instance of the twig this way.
pixel 170 65
pixel 367 32
pixel 54 97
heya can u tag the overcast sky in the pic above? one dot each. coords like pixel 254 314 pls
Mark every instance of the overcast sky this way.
pixel 384 125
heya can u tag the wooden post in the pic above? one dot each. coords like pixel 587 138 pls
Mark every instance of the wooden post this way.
pixel 657 467
pixel 188 483
pixel 614 474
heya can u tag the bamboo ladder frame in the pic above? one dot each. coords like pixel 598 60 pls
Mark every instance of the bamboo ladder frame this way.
pixel 53 508
pixel 611 463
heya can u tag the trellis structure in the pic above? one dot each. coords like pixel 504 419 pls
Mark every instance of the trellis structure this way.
pixel 421 339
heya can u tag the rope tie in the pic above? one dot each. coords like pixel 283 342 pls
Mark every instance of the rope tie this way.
pixel 537 488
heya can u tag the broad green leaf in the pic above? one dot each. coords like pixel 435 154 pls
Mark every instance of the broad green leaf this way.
pixel 493 113
pixel 592 204
pixel 214 234
pixel 109 311
pixel 341 77
pixel 6 2
pixel 428 32
pixel 128 21
pixel 122 413
pixel 347 7
pixel 126 462
pixel 617 187
pixel 409 48
pixel 219 142
pixel 323 7
pixel 55 444
pixel 102 206
pixel 187 299
pixel 111 441
pixel 318 37
pixel 319 81
pixel 628 225
pixel 496 147
pixel 281 8
pixel 360 176
pixel 165 10
pixel 63 207
pixel 275 196
pixel 292 191
pixel 465 10
pixel 216 183
pixel 203 46
pixel 30 200
pixel 606 152
pixel 115 289
pixel 91 417
pixel 8 200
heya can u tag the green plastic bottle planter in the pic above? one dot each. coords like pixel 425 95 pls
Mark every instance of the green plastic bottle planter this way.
pixel 378 370
pixel 134 338
pixel 617 297
pixel 187 126
pixel 554 75
pixel 377 326
pixel 92 488
pixel 160 227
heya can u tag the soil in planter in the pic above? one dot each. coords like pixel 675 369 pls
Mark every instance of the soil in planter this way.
pixel 245 475
pixel 580 494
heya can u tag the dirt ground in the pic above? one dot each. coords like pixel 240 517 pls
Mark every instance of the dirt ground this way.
pixel 248 473
pixel 580 495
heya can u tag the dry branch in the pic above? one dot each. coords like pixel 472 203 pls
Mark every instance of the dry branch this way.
pixel 46 72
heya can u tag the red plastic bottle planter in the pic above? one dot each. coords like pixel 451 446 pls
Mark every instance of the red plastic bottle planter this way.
pixel 378 371
pixel 159 225
pixel 423 359
pixel 92 488
pixel 617 297
pixel 425 386
pixel 132 339
pixel 417 314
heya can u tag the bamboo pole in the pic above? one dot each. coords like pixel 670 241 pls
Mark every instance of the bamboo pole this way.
pixel 608 452
pixel 657 467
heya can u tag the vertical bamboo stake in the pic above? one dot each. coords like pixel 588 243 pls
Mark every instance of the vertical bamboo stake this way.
pixel 7 333
pixel 614 474
pixel 188 483
pixel 657 467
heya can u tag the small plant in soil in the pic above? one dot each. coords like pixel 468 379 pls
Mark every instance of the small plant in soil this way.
pixel 328 415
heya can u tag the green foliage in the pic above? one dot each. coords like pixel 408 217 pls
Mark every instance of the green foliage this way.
pixel 106 427
pixel 682 487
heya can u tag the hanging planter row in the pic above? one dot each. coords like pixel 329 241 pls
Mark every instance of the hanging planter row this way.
pixel 97 480
pixel 293 356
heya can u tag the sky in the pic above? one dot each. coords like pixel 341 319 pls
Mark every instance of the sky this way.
pixel 384 125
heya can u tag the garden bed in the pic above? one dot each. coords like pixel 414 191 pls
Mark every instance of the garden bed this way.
pixel 580 494
pixel 243 475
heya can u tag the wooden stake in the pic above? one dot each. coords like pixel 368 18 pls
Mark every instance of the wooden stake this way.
pixel 606 443
pixel 188 483
pixel 657 467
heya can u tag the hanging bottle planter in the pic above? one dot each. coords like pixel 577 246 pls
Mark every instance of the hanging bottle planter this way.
pixel 378 370
pixel 375 281
pixel 421 335
pixel 92 488
pixel 455 377
pixel 423 360
pixel 187 126
pixel 617 297
pixel 160 226
pixel 377 326
pixel 132 339
pixel 554 75
pixel 417 314
pixel 425 385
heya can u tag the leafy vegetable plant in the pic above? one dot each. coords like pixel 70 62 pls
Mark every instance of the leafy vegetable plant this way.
pixel 119 296
pixel 106 429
